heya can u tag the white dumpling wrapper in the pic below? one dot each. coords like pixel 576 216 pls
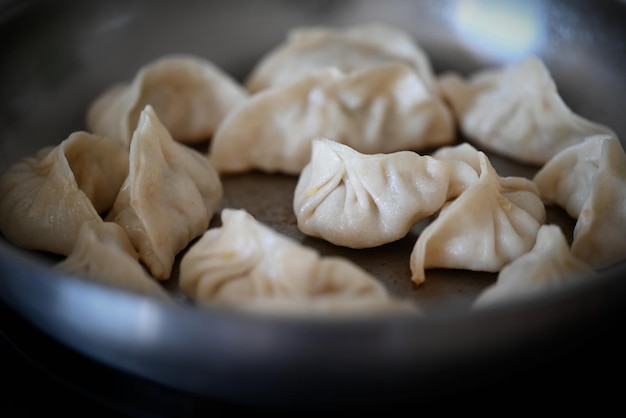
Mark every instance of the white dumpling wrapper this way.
pixel 589 181
pixel 44 199
pixel 247 265
pixel 491 223
pixel 548 265
pixel 307 49
pixel 169 197
pixel 464 152
pixel 516 111
pixel 365 200
pixel 104 254
pixel 190 95
pixel 568 178
pixel 382 109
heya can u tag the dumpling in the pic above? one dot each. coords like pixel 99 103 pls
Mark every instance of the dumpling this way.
pixel 44 199
pixel 567 179
pixel 366 200
pixel 247 265
pixel 168 198
pixel 382 109
pixel 516 111
pixel 104 254
pixel 190 95
pixel 588 180
pixel 99 166
pixel 490 224
pixel 307 49
pixel 463 151
pixel 548 265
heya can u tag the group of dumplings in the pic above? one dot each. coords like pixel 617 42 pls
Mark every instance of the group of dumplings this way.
pixel 371 132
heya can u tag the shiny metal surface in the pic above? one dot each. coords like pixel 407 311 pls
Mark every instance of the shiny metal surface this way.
pixel 57 56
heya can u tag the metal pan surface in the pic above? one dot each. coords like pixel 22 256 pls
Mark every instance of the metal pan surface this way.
pixel 58 56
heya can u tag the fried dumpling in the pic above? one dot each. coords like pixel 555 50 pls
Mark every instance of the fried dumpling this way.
pixel 104 254
pixel 516 111
pixel 366 200
pixel 190 95
pixel 44 199
pixel 307 49
pixel 548 265
pixel 588 180
pixel 382 109
pixel 169 196
pixel 247 265
pixel 491 223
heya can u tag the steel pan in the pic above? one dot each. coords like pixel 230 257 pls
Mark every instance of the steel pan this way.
pixel 58 56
